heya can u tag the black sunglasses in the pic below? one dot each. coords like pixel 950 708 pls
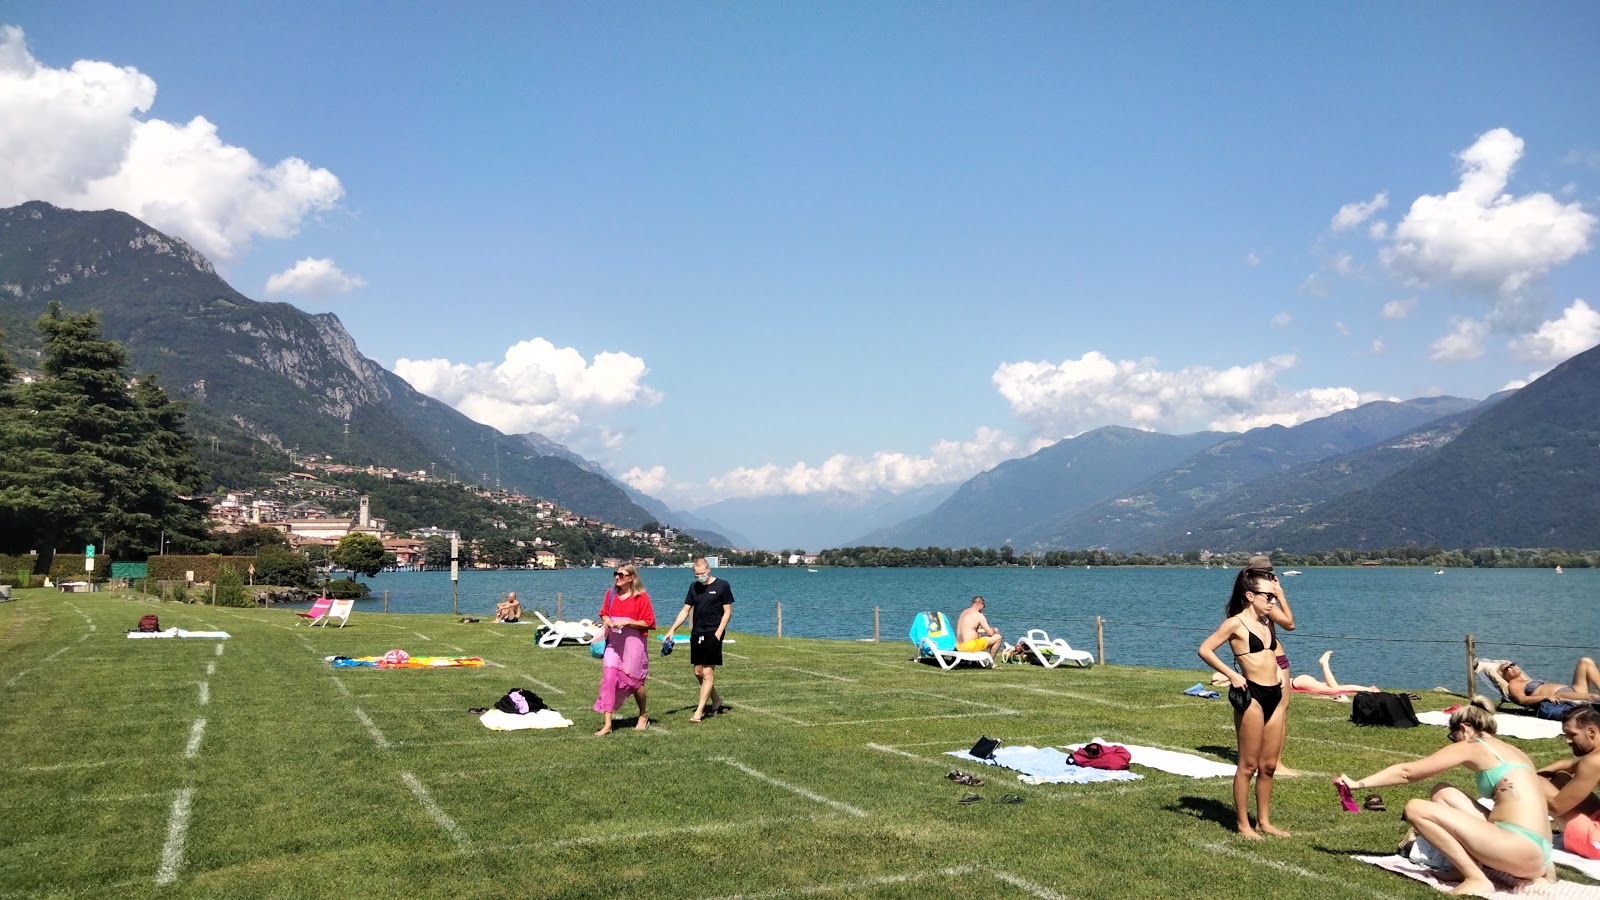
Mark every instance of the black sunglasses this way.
pixel 619 574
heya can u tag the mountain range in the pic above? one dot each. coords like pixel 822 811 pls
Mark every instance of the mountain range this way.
pixel 292 379
pixel 1518 469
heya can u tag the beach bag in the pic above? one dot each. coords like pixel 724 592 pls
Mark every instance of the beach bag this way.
pixel 149 622
pixel 1379 708
pixel 597 647
pixel 984 748
pixel 1102 756
pixel 520 702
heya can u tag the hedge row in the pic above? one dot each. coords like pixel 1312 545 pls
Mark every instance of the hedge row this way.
pixel 205 568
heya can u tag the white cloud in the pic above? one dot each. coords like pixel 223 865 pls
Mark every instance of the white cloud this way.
pixel 74 137
pixel 1464 342
pixel 1062 399
pixel 1398 309
pixel 1378 230
pixel 1517 384
pixel 1314 286
pixel 1480 238
pixel 1577 330
pixel 1343 263
pixel 1377 346
pixel 1282 320
pixel 648 481
pixel 315 279
pixel 537 387
pixel 1587 158
pixel 1344 330
pixel 891 470
pixel 1251 259
pixel 1352 214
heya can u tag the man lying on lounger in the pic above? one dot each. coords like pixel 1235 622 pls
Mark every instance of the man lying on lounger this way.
pixel 1547 699
pixel 973 632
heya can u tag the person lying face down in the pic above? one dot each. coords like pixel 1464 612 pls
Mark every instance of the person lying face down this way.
pixel 1549 699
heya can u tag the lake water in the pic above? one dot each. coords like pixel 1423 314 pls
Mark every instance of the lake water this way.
pixel 1396 627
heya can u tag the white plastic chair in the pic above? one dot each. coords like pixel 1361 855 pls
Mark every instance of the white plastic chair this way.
pixel 1053 652
pixel 582 632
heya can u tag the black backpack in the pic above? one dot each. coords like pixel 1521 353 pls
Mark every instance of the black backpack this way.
pixel 520 701
pixel 1375 708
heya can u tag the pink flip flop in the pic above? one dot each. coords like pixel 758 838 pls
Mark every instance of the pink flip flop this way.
pixel 1346 798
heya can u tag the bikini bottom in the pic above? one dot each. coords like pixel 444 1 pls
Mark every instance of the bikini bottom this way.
pixel 1268 695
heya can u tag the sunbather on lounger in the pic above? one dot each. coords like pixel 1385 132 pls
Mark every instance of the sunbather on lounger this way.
pixel 1328 684
pixel 1548 699
pixel 973 632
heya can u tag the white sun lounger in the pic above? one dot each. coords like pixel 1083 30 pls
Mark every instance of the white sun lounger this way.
pixel 1051 653
pixel 582 632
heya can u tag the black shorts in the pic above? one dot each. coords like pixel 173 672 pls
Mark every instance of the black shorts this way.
pixel 705 649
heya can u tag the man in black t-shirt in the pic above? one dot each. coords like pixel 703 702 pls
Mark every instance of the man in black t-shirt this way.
pixel 710 599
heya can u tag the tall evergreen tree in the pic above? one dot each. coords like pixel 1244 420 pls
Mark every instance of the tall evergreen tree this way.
pixel 85 459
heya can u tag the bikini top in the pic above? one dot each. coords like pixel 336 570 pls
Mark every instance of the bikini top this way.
pixel 1489 779
pixel 1255 642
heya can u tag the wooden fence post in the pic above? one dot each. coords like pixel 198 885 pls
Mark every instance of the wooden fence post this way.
pixel 1472 665
pixel 1100 639
pixel 386 601
pixel 780 618
pixel 558 606
pixel 875 625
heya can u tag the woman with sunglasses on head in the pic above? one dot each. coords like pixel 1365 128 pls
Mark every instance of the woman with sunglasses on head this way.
pixel 1514 837
pixel 1255 609
pixel 628 617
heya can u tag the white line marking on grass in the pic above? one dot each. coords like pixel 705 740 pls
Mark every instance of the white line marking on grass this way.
pixel 211 668
pixel 1085 697
pixel 1347 744
pixel 195 734
pixel 421 635
pixel 219 649
pixel 82 639
pixel 736 656
pixel 377 736
pixel 177 829
pixel 339 683
pixel 544 684
pixel 857 887
pixel 428 803
pixel 677 686
pixel 10 682
pixel 113 798
pixel 456 649
pixel 1225 850
pixel 818 674
pixel 1022 884
pixel 897 752
pixel 56 654
pixel 205 693
pixel 91 627
pixel 56 767
pixel 990 706
pixel 767 712
pixel 636 836
pixel 792 788
pixel 971 715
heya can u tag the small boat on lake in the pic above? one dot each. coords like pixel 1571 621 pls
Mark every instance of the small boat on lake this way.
pixel 1293 572
pixel 1558 570
pixel 1440 572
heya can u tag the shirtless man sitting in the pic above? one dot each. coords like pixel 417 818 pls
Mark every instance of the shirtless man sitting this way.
pixel 508 610
pixel 1571 791
pixel 1548 699
pixel 973 632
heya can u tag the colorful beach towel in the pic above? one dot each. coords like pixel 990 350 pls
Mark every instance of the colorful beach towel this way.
pixel 1045 765
pixel 1506 725
pixel 1508 888
pixel 414 662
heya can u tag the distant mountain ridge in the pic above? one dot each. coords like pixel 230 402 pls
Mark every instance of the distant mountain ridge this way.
pixel 817 521
pixel 291 378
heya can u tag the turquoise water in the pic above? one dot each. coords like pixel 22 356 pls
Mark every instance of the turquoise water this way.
pixel 1396 627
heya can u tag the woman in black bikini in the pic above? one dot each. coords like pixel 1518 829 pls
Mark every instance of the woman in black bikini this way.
pixel 1254 610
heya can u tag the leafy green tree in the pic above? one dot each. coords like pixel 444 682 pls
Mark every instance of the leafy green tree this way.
pixel 436 552
pixel 230 588
pixel 359 553
pixel 249 540
pixel 278 565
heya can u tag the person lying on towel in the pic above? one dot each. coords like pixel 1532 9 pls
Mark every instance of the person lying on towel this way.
pixel 1548 699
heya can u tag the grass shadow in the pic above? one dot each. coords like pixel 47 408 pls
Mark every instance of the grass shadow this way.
pixel 1231 754
pixel 1205 808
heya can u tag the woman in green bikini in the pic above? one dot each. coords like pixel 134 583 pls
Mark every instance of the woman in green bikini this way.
pixel 1514 837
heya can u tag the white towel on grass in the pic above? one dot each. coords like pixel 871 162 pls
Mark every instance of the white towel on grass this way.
pixel 500 720
pixel 1507 890
pixel 1505 725
pixel 1171 761
pixel 179 633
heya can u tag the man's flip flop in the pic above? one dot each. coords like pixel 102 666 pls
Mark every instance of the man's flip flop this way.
pixel 970 799
pixel 1009 800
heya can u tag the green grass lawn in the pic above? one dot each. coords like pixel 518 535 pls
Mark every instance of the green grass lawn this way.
pixel 251 768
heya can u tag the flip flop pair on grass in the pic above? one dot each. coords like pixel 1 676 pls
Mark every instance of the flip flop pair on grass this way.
pixel 1007 800
pixel 960 777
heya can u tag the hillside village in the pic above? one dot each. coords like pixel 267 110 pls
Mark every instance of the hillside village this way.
pixel 312 510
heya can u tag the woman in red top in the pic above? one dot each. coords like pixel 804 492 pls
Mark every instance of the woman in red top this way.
pixel 628 618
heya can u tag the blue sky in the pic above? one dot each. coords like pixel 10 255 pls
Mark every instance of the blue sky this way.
pixel 747 249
